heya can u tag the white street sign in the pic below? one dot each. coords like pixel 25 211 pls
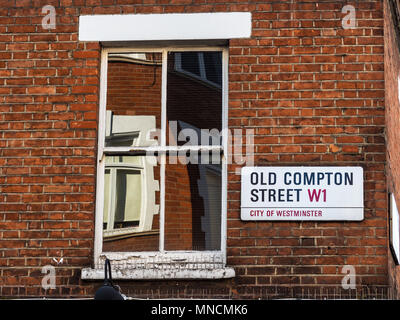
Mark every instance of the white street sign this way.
pixel 302 193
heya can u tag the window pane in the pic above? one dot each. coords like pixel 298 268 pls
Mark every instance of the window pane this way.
pixel 192 206
pixel 213 66
pixel 133 99
pixel 128 198
pixel 131 204
pixel 193 103
pixel 190 62
pixel 106 198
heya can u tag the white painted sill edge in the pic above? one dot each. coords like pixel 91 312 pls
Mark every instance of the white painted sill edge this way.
pixel 153 274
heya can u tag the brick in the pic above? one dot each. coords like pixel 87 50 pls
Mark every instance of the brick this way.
pixel 85 54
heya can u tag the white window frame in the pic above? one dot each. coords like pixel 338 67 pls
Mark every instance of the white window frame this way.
pixel 172 256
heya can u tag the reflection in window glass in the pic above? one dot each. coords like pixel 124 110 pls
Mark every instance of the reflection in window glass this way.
pixel 133 99
pixel 192 190
pixel 192 103
pixel 128 198
pixel 131 204
pixel 190 62
pixel 192 207
pixel 122 192
pixel 213 67
pixel 107 195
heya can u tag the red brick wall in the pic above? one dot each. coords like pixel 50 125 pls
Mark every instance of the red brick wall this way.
pixel 392 67
pixel 313 92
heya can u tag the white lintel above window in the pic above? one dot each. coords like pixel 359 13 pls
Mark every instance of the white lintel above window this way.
pixel 156 27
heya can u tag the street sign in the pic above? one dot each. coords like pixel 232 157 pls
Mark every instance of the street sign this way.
pixel 302 193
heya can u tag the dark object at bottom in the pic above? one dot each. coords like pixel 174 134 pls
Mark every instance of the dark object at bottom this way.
pixel 108 291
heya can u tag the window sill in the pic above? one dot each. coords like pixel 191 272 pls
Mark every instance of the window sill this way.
pixel 161 266
pixel 175 273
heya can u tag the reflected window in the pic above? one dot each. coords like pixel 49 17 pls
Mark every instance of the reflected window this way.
pixel 205 66
pixel 192 103
pixel 122 194
pixel 130 203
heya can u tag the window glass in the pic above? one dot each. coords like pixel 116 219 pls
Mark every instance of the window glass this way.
pixel 128 198
pixel 107 195
pixel 191 185
pixel 131 204
pixel 190 62
pixel 213 67
pixel 133 99
pixel 192 206
pixel 192 103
